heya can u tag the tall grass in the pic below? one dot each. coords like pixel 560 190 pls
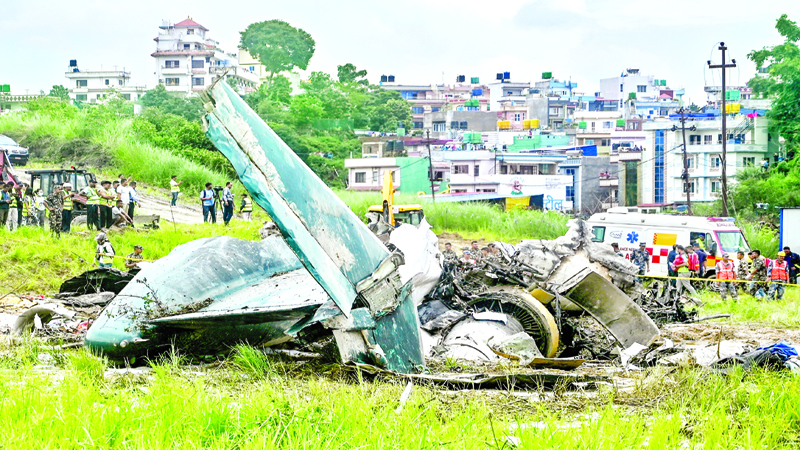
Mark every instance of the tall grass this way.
pixel 53 136
pixel 782 314
pixel 471 220
pixel 33 261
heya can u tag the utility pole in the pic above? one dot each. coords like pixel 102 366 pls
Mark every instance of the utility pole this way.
pixel 430 161
pixel 723 66
pixel 685 163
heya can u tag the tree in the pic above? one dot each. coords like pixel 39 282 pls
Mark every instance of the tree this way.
pixel 278 46
pixel 305 109
pixel 349 75
pixel 59 92
pixel 190 108
pixel 782 83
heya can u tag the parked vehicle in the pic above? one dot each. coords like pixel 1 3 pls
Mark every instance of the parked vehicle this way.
pixel 661 231
pixel 17 154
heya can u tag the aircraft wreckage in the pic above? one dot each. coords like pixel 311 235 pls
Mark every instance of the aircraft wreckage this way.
pixel 328 274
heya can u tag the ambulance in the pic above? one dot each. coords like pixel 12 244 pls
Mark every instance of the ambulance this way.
pixel 661 231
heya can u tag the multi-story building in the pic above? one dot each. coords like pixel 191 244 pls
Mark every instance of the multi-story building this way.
pixel 94 86
pixel 433 98
pixel 410 174
pixel 641 96
pixel 188 60
pixel 749 143
pixel 597 128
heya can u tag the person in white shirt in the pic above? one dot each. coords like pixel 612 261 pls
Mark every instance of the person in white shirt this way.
pixel 119 217
pixel 134 196
pixel 124 194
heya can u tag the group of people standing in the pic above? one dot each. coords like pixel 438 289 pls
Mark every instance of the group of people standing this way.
pixel 472 256
pixel 113 204
pixel 21 206
pixel 211 196
pixel 753 273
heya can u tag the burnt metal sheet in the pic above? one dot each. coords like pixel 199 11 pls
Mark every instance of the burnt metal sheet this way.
pixel 623 318
pixel 331 241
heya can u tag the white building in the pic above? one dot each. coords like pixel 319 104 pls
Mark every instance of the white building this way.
pixel 188 60
pixel 511 174
pixel 641 96
pixel 748 145
pixel 93 86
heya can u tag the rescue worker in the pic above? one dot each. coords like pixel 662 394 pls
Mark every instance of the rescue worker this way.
pixel 133 260
pixel 54 203
pixel 742 268
pixel 701 242
pixel 104 254
pixel 702 257
pixel 694 260
pixel 29 207
pixel 5 202
pixel 793 260
pixel 468 259
pixel 66 208
pixel 475 251
pixel 681 265
pixel 246 208
pixel 174 189
pixel 449 255
pixel 93 200
pixel 107 199
pixel 725 272
pixel 15 216
pixel 758 274
pixel 778 274
pixel 670 259
pixel 41 208
pixel 641 258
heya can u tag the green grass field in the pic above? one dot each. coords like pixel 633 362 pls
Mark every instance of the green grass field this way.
pixel 255 401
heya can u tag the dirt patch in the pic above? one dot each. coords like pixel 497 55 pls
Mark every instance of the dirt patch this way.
pixel 751 334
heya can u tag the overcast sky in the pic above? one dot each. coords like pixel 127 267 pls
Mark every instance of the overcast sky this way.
pixel 418 41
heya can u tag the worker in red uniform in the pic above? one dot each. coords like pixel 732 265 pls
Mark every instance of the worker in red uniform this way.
pixel 725 273
pixel 778 275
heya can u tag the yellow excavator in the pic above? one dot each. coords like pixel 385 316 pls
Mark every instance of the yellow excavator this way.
pixel 396 214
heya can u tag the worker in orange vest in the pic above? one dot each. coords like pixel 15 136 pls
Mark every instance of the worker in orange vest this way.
pixel 725 273
pixel 778 275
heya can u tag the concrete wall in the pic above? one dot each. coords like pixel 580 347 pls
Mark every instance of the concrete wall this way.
pixel 592 195
pixel 480 121
pixel 538 109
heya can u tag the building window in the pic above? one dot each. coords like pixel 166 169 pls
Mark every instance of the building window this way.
pixel 417 110
pixel 716 187
pixel 197 64
pixel 107 82
pixel 81 83
pixel 374 176
pixel 716 162
pixel 620 88
pixel 749 161
pixel 187 46
pixel 127 96
pixel 691 162
pixel 80 97
pixel 461 169
pixel 361 177
pixel 690 186
pixel 119 82
pixel 555 111
pixel 435 108
pixel 658 186
pixel 708 139
pixel 172 64
pixel 570 187
pixel 190 31
pixel 439 126
pixel 409 95
pixel 477 170
pixel 198 81
pixel 516 117
pixel 605 142
pixel 606 124
pixel 172 81
pixel 418 125
pixel 589 141
pixel 694 139
pixel 641 88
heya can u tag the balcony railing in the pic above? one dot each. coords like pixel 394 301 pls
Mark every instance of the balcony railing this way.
pixel 609 182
